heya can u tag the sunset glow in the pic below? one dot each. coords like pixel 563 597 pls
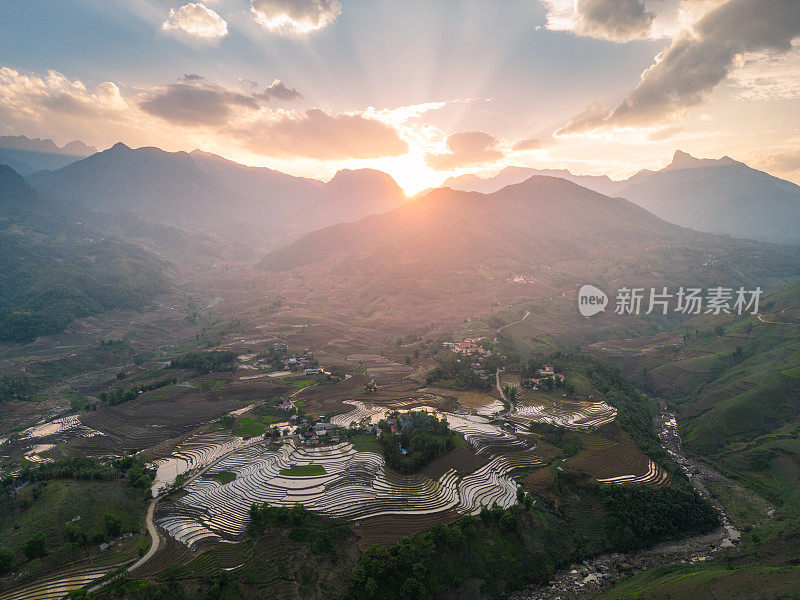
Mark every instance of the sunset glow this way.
pixel 315 88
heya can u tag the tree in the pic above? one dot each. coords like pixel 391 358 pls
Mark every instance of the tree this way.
pixel 510 391
pixel 35 547
pixel 74 534
pixel 113 524
pixel 6 560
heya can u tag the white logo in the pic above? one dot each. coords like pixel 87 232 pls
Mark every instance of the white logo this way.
pixel 591 300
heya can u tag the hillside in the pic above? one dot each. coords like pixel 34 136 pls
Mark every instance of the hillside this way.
pixel 26 155
pixel 714 196
pixel 155 184
pixel 274 190
pixel 298 205
pixel 734 383
pixel 204 192
pixel 55 269
pixel 455 251
pixel 721 196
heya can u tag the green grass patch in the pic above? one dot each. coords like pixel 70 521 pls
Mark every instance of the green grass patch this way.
pixel 363 442
pixel 71 518
pixel 225 477
pixel 248 427
pixel 793 372
pixel 304 471
pixel 688 582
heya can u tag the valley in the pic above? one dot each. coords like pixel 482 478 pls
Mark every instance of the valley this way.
pixel 408 400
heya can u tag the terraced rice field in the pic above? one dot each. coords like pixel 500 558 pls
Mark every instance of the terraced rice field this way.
pixel 355 486
pixel 471 401
pixel 611 461
pixel 195 453
pixel 572 414
pixel 654 475
pixel 59 585
pixel 34 441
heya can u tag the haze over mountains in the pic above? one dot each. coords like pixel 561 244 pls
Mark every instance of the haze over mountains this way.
pixel 716 196
pixel 26 155
pixel 205 192
pixel 721 196
pixel 55 268
pixel 265 208
pixel 450 249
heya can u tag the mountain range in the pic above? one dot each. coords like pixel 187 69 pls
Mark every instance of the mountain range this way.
pixel 452 249
pixel 266 209
pixel 716 196
pixel 55 268
pixel 205 192
pixel 26 155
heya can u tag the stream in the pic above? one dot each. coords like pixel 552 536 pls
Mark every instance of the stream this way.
pixel 589 578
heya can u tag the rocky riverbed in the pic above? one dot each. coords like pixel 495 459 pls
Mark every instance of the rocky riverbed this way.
pixel 591 577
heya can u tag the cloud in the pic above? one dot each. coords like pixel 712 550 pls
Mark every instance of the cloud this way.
pixel 785 161
pixel 295 16
pixel 196 20
pixel 277 90
pixel 764 76
pixel 466 148
pixel 665 133
pixel 196 104
pixel 190 113
pixel 527 144
pixel 37 100
pixel 589 118
pixel 318 135
pixel 614 20
pixel 696 62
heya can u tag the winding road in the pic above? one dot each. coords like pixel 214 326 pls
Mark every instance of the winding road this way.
pixel 527 314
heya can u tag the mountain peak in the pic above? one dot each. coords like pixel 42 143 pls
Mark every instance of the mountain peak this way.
pixel 684 160
pixel 119 147
pixel 45 146
pixel 345 178
pixel 78 148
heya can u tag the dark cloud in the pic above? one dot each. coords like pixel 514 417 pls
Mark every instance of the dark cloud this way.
pixel 196 104
pixel 318 135
pixel 698 61
pixel 192 78
pixel 614 20
pixel 277 90
pixel 466 148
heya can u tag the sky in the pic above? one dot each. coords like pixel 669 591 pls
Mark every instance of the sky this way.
pixel 423 90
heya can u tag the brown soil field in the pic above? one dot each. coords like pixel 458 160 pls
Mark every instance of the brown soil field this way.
pixel 604 457
pixel 388 529
pixel 462 459
pixel 162 414
pixel 469 400
pixel 538 481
